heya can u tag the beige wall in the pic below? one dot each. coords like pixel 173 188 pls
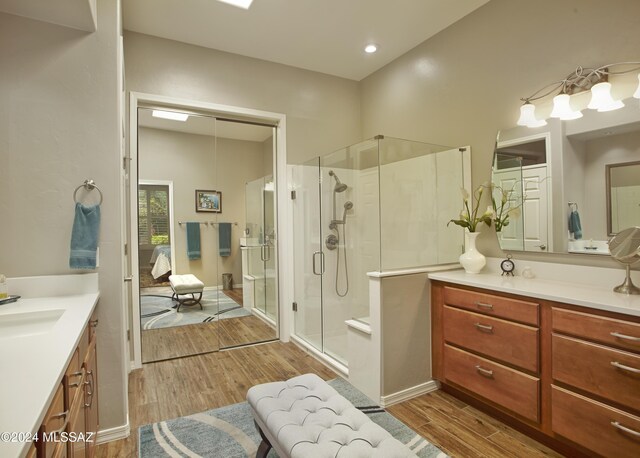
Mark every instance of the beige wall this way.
pixel 464 84
pixel 59 124
pixel 201 162
pixel 323 112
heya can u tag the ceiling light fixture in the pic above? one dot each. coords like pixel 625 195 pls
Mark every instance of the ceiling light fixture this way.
pixel 370 48
pixel 581 80
pixel 244 4
pixel 172 115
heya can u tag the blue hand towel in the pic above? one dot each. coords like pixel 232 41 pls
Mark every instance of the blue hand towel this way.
pixel 574 225
pixel 224 239
pixel 84 237
pixel 193 241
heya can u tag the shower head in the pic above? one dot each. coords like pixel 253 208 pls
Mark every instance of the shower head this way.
pixel 340 186
pixel 348 205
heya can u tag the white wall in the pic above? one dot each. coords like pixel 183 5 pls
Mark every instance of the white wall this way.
pixel 323 112
pixel 59 125
pixel 464 84
pixel 202 162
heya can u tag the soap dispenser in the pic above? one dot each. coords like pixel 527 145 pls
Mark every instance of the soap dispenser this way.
pixel 4 292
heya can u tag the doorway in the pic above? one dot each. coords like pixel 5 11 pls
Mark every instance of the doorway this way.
pixel 203 172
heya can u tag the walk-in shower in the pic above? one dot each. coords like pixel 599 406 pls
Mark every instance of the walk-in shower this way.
pixel 375 207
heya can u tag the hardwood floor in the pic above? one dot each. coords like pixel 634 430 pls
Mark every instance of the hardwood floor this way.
pixel 170 389
pixel 194 339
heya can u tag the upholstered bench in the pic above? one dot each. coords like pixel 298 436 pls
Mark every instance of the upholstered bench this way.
pixel 305 417
pixel 186 284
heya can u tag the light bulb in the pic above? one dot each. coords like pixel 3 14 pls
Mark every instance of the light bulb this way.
pixel 562 109
pixel 528 117
pixel 601 99
pixel 370 48
pixel 637 93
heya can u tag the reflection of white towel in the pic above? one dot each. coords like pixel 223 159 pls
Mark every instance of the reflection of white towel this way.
pixel 161 267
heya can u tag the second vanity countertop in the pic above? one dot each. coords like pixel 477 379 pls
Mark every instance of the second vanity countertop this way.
pixel 33 365
pixel 594 296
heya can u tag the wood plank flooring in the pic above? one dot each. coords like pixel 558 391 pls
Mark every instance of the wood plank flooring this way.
pixel 194 339
pixel 170 389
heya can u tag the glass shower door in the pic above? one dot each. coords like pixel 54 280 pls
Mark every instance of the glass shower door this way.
pixel 309 261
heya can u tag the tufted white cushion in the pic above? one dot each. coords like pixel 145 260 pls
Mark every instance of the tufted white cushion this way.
pixel 185 284
pixel 306 417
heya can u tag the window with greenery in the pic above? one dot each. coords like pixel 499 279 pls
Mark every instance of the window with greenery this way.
pixel 153 215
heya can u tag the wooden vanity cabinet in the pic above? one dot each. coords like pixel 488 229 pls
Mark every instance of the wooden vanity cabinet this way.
pixel 74 408
pixel 568 376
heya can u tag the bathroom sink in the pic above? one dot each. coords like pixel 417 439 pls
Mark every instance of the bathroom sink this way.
pixel 22 324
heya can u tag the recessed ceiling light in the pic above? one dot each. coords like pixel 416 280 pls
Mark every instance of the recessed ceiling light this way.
pixel 370 48
pixel 173 115
pixel 244 4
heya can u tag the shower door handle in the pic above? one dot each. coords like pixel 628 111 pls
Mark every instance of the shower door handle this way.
pixel 265 252
pixel 313 261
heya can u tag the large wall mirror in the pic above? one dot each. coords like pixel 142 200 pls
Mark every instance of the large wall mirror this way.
pixel 569 185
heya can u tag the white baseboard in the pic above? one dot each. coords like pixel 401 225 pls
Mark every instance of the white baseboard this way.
pixel 113 434
pixel 220 288
pixel 409 393
pixel 261 315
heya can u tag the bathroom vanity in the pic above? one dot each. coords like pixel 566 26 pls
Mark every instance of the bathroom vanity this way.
pixel 559 361
pixel 49 394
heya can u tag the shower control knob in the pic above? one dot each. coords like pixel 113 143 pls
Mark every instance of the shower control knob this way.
pixel 331 242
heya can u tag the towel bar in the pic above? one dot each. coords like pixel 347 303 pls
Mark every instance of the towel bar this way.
pixel 89 185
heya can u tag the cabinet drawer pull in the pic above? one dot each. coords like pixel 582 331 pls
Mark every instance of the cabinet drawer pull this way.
pixel 625 337
pixel 625 368
pixel 60 415
pixel 75 384
pixel 94 323
pixel 484 372
pixel 615 424
pixel 484 305
pixel 484 328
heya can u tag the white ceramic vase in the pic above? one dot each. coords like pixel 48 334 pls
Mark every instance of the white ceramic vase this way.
pixel 472 260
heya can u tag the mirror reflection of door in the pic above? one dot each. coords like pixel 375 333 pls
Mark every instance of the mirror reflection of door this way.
pixel 182 158
pixel 623 196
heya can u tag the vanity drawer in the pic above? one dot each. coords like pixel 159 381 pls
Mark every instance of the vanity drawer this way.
pixel 619 333
pixel 54 420
pixel 589 367
pixel 503 307
pixel 509 388
pixel 506 341
pixel 594 425
pixel 72 379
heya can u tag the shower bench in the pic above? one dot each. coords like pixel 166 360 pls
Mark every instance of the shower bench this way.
pixel 305 416
pixel 186 284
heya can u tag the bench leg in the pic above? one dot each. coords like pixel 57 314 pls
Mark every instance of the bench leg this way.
pixel 265 445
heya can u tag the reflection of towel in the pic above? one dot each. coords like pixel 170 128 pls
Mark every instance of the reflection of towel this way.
pixel 193 241
pixel 161 266
pixel 574 225
pixel 224 239
pixel 84 237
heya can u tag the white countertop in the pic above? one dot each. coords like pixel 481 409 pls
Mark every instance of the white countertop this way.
pixel 595 296
pixel 33 366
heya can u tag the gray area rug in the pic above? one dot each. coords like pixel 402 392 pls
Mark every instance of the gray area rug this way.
pixel 230 432
pixel 157 310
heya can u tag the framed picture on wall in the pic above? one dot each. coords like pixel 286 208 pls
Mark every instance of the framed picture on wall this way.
pixel 208 201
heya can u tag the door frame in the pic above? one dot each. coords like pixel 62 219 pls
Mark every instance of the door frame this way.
pixel 169 184
pixel 283 229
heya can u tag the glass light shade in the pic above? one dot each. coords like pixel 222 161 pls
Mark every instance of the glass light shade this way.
pixel 601 99
pixel 637 93
pixel 562 109
pixel 528 116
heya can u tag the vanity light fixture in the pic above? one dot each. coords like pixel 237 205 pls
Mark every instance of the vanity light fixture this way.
pixel 528 116
pixel 370 48
pixel 244 4
pixel 581 80
pixel 172 115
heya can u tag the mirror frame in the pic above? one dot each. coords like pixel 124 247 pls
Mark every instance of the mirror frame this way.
pixel 607 178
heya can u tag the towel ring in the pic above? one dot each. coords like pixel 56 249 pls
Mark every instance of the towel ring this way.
pixel 89 185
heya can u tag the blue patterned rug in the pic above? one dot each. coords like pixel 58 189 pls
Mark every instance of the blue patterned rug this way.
pixel 159 311
pixel 229 431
